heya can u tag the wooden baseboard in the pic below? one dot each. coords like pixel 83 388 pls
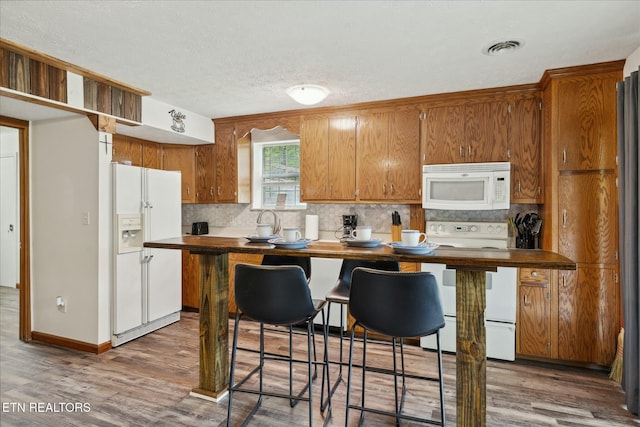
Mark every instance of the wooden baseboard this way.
pixel 70 343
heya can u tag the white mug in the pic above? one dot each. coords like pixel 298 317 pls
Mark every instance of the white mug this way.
pixel 363 232
pixel 291 234
pixel 264 230
pixel 413 237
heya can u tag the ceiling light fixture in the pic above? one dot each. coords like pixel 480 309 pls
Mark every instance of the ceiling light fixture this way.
pixel 501 47
pixel 308 94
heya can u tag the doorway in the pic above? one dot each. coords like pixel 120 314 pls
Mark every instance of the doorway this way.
pixel 22 224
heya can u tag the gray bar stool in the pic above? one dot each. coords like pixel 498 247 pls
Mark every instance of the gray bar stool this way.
pixel 398 305
pixel 339 294
pixel 279 296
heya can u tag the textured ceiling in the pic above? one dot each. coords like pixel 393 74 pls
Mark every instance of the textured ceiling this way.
pixel 227 58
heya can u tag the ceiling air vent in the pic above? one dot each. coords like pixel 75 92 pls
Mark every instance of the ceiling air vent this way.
pixel 502 47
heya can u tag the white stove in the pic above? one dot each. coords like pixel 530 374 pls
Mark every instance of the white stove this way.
pixel 461 234
pixel 500 314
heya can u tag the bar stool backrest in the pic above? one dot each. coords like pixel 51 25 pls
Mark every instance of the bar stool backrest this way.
pixel 304 262
pixel 348 265
pixel 276 295
pixel 396 304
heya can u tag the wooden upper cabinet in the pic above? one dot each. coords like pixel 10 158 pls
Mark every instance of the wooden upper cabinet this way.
pixel 404 175
pixel 587 122
pixel 388 156
pixel 126 149
pixel 486 132
pixel 139 152
pixel 181 158
pixel 588 217
pixel 327 158
pixel 442 136
pixel 372 145
pixel 525 151
pixel 226 165
pixel 205 173
pixel 469 133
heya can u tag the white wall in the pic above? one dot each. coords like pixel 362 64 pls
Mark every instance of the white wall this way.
pixel 632 63
pixel 68 257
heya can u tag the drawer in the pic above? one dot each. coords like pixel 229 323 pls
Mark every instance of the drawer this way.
pixel 534 275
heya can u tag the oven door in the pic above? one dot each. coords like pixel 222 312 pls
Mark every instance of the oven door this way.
pixel 457 191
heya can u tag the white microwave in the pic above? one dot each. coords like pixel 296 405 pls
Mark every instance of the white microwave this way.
pixel 466 186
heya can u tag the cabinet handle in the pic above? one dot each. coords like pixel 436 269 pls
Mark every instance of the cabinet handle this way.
pixel 461 155
pixel 469 151
pixel 330 188
pixel 219 191
pixel 509 153
pixel 564 217
pixel 534 274
pixel 211 191
pixel 188 190
pixel 391 189
pixel 384 188
pixel 564 281
pixel 564 155
pixel 526 300
pixel 519 187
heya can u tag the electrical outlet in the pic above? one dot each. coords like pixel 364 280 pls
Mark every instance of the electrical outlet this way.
pixel 61 304
pixel 85 218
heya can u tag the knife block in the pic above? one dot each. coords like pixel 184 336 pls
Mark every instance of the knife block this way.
pixel 396 233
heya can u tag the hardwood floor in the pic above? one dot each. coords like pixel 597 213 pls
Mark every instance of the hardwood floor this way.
pixel 147 382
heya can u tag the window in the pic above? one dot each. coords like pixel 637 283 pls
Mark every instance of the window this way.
pixel 276 170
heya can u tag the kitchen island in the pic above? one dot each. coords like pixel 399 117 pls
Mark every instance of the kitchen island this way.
pixel 470 264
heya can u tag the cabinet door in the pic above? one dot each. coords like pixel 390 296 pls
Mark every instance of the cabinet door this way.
pixel 151 155
pixel 587 123
pixel 525 151
pixel 190 280
pixel 314 158
pixel 226 166
pixel 486 132
pixel 341 158
pixel 205 173
pixel 534 314
pixel 588 217
pixel 403 167
pixel 588 315
pixel 443 135
pixel 181 158
pixel 371 156
pixel 126 149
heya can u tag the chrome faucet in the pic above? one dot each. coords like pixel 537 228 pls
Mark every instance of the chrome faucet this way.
pixel 276 220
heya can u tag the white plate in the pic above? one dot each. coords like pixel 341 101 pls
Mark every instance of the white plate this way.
pixel 421 249
pixel 254 238
pixel 362 243
pixel 281 243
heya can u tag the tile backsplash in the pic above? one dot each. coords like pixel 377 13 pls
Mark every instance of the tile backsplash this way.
pixel 330 215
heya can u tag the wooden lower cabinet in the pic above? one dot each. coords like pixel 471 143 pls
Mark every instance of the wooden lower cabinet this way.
pixel 191 275
pixel 533 324
pixel 588 314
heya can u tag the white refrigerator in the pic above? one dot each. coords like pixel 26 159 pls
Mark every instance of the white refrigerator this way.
pixel 147 285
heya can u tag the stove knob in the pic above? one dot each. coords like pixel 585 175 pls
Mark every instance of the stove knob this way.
pixel 440 228
pixel 432 228
pixel 498 229
pixel 473 228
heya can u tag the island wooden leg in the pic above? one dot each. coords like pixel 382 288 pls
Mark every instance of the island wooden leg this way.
pixel 471 356
pixel 214 327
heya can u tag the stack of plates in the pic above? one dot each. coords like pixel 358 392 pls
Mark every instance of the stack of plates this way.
pixel 281 243
pixel 254 238
pixel 421 249
pixel 373 243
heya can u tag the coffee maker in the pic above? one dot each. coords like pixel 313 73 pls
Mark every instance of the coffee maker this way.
pixel 349 223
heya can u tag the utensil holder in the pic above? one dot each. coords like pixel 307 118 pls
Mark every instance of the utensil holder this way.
pixel 396 233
